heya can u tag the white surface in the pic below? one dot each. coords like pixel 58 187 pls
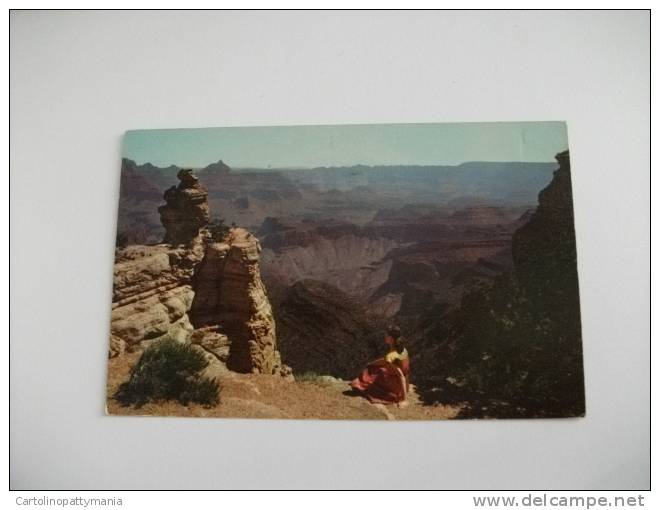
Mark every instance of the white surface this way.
pixel 78 80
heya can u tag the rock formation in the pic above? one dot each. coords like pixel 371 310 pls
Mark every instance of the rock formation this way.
pixel 230 294
pixel 352 194
pixel 186 210
pixel 159 289
pixel 152 294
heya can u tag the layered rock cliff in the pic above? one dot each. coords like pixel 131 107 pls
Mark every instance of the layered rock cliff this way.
pixel 158 289
pixel 230 294
pixel 152 294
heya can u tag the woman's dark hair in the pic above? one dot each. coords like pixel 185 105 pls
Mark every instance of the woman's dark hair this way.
pixel 395 332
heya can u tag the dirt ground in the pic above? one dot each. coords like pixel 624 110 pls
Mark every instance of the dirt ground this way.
pixel 263 396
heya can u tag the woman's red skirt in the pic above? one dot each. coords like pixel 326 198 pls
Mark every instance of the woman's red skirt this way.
pixel 383 382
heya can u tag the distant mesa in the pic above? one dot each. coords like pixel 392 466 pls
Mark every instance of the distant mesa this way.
pixel 219 167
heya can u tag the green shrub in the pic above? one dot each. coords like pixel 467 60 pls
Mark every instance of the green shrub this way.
pixel 218 230
pixel 169 370
pixel 307 377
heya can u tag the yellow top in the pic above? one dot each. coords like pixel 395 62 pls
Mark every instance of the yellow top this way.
pixel 392 356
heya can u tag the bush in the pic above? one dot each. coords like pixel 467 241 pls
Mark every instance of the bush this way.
pixel 307 377
pixel 169 370
pixel 218 230
pixel 121 240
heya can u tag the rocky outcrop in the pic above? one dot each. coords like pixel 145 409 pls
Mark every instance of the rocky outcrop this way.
pixel 186 210
pixel 544 250
pixel 208 294
pixel 230 295
pixel 345 256
pixel 518 339
pixel 152 290
pixel 212 341
pixel 159 288
pixel 152 294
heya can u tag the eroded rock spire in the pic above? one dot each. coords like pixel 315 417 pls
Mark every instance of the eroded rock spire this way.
pixel 186 210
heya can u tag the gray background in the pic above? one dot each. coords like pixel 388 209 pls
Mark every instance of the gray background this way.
pixel 78 80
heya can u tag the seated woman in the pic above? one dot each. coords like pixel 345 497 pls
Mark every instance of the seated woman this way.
pixel 387 379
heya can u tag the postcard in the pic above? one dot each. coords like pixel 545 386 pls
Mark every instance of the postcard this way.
pixel 358 272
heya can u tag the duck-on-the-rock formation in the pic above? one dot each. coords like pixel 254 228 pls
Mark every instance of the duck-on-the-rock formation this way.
pixel 194 290
pixel 186 210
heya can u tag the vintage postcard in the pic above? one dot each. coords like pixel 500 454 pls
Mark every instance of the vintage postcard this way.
pixel 388 272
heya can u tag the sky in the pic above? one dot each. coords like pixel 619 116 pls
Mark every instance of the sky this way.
pixel 346 145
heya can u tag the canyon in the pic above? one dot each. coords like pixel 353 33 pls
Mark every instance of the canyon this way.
pixel 339 252
pixel 356 194
pixel 284 280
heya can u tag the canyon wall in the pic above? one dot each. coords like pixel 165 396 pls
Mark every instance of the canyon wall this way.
pixel 518 339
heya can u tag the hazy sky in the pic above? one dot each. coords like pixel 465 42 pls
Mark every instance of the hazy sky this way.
pixel 344 145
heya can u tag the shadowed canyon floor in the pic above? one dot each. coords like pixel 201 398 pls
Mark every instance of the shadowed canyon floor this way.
pixel 263 396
